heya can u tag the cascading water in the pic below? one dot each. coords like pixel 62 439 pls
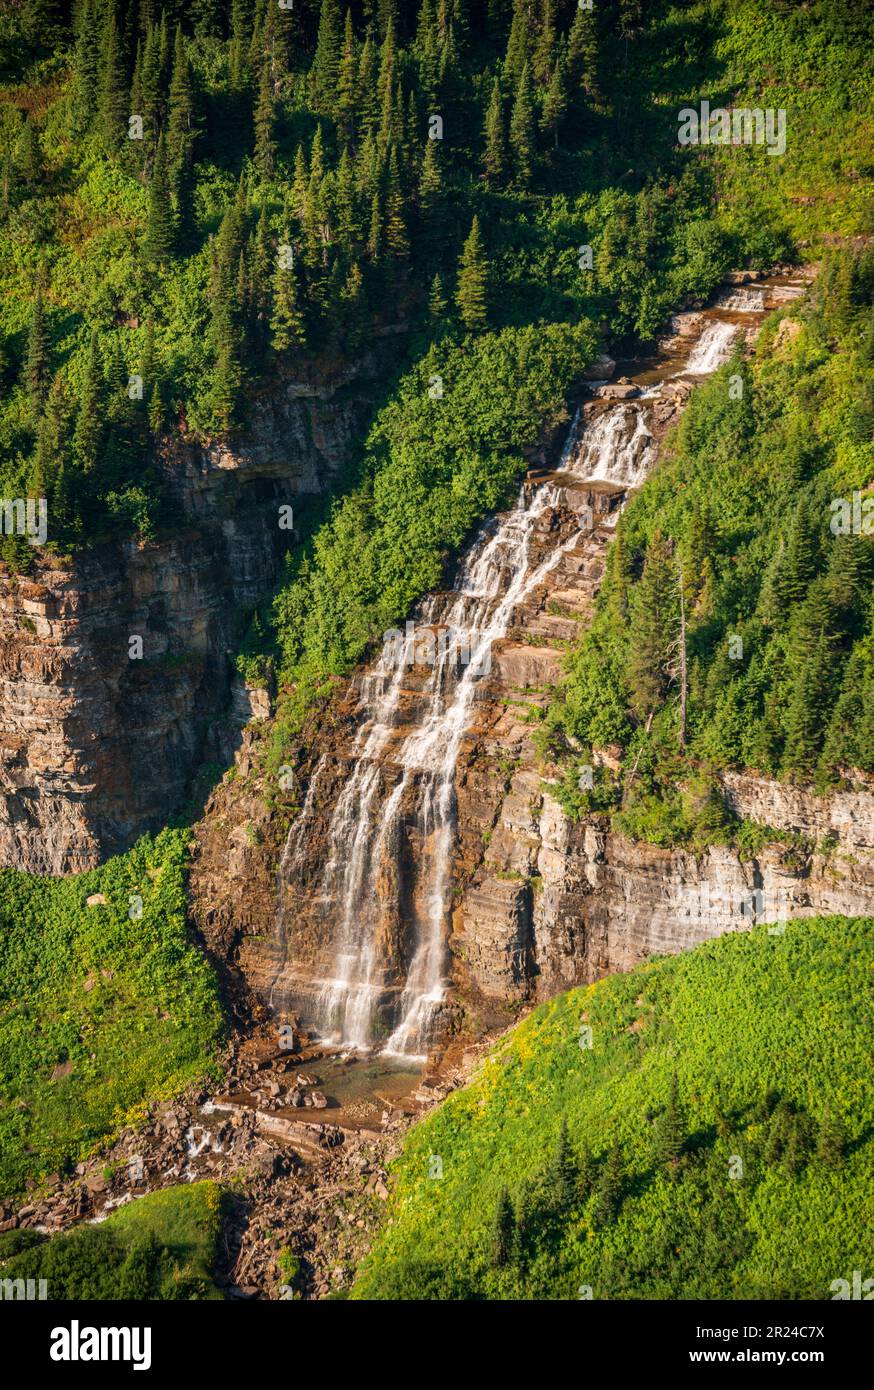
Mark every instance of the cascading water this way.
pixel 383 886
pixel 712 349
pixel 618 447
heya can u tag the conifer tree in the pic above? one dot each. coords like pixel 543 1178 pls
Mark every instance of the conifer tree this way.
pixel 495 156
pixel 368 96
pixel 523 137
pixel 428 53
pixel 670 1130
pixel 555 102
pixel 156 411
pixel 430 181
pixel 609 1187
pixel 347 215
pixel 504 1231
pixel 286 321
pixel 437 302
pixel 347 85
pixel 29 153
pixel 395 226
pixel 265 117
pixel 300 183
pixel 653 628
pixel 545 49
pixel 583 53
pixel 86 67
pixel 375 233
pixel 88 431
pixel 562 1175
pixel 113 90
pixel 326 63
pixel 519 42
pixel 181 138
pixel 832 1140
pixel 51 446
pixel 160 236
pixel 36 356
pixel 471 294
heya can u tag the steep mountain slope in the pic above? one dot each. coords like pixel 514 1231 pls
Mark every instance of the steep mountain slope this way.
pixel 718 1139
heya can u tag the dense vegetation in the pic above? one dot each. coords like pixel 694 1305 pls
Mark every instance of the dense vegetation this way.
pixel 101 1007
pixel 698 1128
pixel 744 549
pixel 162 1246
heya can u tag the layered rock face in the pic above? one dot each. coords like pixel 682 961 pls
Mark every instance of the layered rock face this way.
pixel 99 742
pixel 553 904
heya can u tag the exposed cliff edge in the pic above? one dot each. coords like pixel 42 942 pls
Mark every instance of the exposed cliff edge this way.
pixel 97 746
pixel 389 891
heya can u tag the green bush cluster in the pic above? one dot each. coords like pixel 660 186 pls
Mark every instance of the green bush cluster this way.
pixel 161 1247
pixel 119 1006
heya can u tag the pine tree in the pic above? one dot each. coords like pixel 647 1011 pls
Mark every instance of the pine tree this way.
pixel 375 233
pixel 113 91
pixel 555 102
pixel 544 57
pixel 160 238
pixel 85 65
pixel 300 183
pixel 368 98
pixel 430 182
pixel 29 153
pixel 583 53
pixel 326 63
pixel 609 1187
pixel 265 118
pixel 437 302
pixel 88 431
pixel 504 1231
pixel 653 628
pixel 428 53
pixel 562 1174
pixel 140 1271
pixel 670 1129
pixel 495 157
pixel 395 226
pixel 519 42
pixel 287 325
pixel 832 1142
pixel 347 213
pixel 156 411
pixel 347 85
pixel 813 662
pixel 471 294
pixel 261 261
pixel 36 357
pixel 51 447
pixel 523 136
pixel 181 138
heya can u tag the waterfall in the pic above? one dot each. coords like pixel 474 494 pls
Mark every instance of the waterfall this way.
pixel 712 349
pixel 616 448
pixel 742 301
pixel 371 855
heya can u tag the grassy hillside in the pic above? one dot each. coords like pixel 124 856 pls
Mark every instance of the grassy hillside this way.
pixel 99 1009
pixel 718 1139
pixel 162 1246
pixel 744 522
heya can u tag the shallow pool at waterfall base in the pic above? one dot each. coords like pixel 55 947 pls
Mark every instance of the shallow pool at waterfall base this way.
pixel 357 1084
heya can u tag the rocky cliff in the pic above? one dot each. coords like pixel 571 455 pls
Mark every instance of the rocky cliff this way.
pixel 537 903
pixel 99 742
